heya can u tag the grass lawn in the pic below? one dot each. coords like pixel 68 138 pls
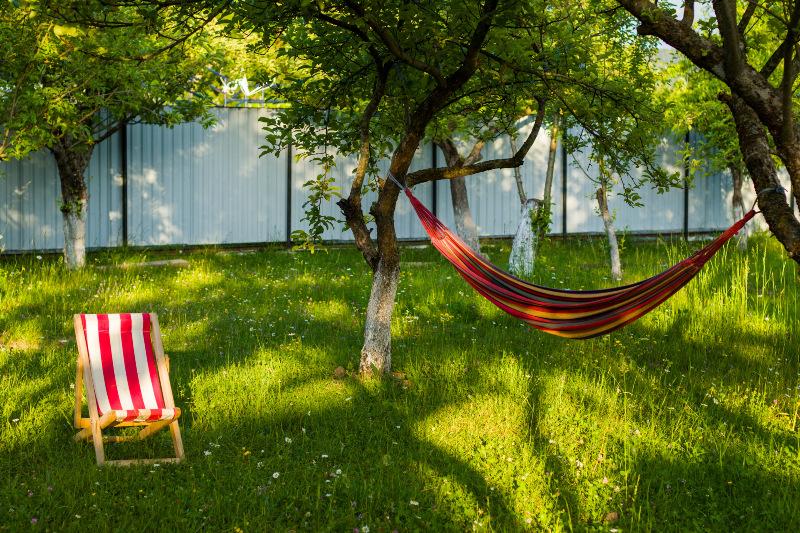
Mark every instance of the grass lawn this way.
pixel 686 420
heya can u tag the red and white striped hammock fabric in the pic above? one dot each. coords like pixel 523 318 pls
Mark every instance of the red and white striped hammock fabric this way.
pixel 123 367
pixel 566 313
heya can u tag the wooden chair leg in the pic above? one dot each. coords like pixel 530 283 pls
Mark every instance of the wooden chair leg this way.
pixel 97 436
pixel 85 433
pixel 176 440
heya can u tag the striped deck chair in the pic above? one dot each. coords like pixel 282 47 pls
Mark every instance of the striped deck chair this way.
pixel 121 363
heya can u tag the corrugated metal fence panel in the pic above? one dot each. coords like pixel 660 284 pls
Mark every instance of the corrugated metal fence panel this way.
pixel 662 212
pixel 190 185
pixel 406 223
pixel 31 194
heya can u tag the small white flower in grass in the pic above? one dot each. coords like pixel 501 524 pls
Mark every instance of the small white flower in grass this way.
pixel 207 453
pixel 413 502
pixel 259 464
pixel 338 471
pixel 364 529
pixel 288 440
pixel 39 257
pixel 276 475
pixel 578 463
pixel 327 494
pixel 324 456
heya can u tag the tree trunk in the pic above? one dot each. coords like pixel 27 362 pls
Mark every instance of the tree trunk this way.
pixel 547 196
pixel 526 242
pixel 376 354
pixel 523 196
pixel 72 162
pixel 608 222
pixel 465 224
pixel 755 149
pixel 737 205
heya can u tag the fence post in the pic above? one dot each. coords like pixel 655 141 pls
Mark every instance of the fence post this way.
pixel 289 194
pixel 435 183
pixel 123 171
pixel 563 188
pixel 686 171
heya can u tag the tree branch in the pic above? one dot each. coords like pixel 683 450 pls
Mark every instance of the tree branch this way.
pixel 432 174
pixel 688 13
pixel 733 56
pixel 789 73
pixel 394 47
pixel 351 206
pixel 747 15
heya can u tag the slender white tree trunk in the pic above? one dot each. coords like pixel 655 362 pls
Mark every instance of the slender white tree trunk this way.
pixel 465 224
pixel 526 242
pixel 547 196
pixel 608 222
pixel 737 206
pixel 376 354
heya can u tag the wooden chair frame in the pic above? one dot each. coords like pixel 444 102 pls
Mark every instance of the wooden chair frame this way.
pixel 92 427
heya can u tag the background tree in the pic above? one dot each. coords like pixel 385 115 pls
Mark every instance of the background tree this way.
pixel 692 109
pixel 760 93
pixel 379 78
pixel 68 86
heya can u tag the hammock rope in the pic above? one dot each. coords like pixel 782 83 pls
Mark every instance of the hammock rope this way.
pixel 561 312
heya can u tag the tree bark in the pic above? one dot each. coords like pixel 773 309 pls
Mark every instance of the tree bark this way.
pixel 608 222
pixel 755 148
pixel 72 162
pixel 376 354
pixel 526 242
pixel 737 204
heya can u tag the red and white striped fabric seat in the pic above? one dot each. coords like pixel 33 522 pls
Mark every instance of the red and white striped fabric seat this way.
pixel 123 367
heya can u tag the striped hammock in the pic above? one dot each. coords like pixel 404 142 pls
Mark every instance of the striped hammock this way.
pixel 571 314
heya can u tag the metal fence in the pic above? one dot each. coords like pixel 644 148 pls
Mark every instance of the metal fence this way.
pixel 150 185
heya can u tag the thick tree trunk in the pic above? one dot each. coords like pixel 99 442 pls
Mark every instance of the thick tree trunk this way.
pixel 465 224
pixel 526 242
pixel 376 354
pixel 72 162
pixel 737 205
pixel 608 222
pixel 772 202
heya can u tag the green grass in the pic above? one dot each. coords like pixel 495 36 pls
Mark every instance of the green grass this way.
pixel 685 420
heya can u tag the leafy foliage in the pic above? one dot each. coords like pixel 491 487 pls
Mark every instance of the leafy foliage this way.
pixel 66 79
